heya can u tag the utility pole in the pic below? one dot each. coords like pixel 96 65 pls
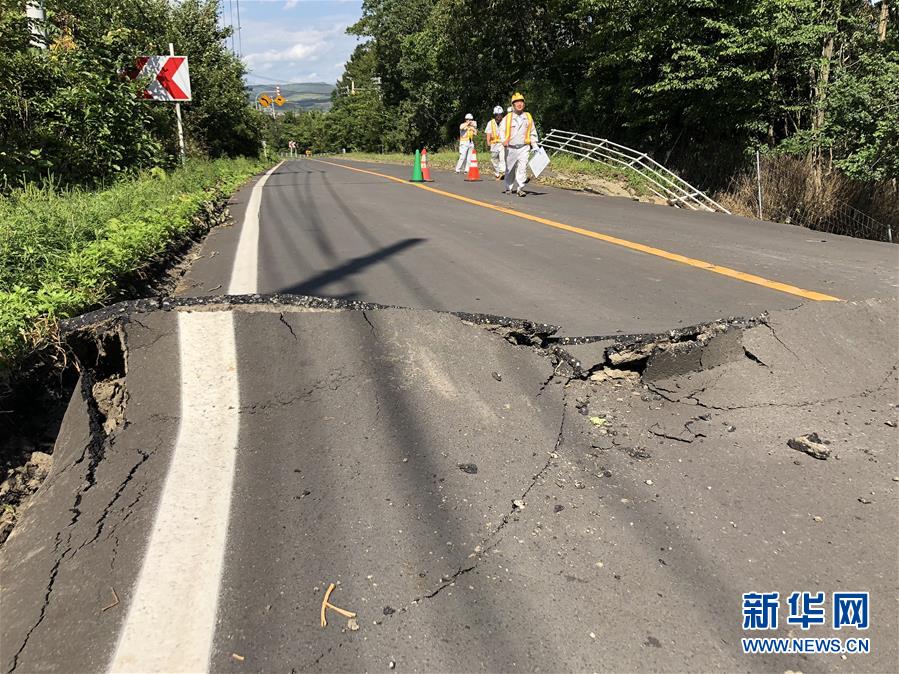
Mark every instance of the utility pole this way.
pixel 37 17
pixel 884 18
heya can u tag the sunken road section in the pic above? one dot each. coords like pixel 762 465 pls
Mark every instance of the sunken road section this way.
pixel 485 494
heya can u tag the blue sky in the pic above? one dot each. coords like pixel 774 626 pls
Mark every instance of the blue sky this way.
pixel 294 40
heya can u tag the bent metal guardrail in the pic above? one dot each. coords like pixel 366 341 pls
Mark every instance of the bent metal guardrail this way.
pixel 660 181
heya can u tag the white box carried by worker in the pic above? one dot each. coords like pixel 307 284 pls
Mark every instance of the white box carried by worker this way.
pixel 539 161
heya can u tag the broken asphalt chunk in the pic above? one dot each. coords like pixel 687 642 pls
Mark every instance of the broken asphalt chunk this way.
pixel 470 468
pixel 810 444
pixel 608 373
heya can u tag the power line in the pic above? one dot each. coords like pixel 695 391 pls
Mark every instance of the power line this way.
pixel 231 22
pixel 263 77
pixel 239 40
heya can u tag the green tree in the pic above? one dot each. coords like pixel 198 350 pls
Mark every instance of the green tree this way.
pixel 358 119
pixel 69 112
pixel 65 111
pixel 218 121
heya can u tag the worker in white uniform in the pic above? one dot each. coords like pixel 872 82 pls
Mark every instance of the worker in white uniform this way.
pixel 467 131
pixel 495 143
pixel 519 138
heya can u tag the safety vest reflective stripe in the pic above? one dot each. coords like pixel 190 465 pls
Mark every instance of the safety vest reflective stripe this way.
pixel 527 132
pixel 466 135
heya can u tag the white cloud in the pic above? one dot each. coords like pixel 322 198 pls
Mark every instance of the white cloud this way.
pixel 297 52
pixel 294 45
pixel 272 50
pixel 290 4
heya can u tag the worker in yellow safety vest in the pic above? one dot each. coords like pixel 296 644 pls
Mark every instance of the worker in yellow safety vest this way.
pixel 519 138
pixel 495 143
pixel 467 131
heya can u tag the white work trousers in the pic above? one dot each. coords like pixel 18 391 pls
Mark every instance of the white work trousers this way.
pixel 517 166
pixel 498 157
pixel 464 155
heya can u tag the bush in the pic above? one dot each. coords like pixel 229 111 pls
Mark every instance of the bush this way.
pixel 65 251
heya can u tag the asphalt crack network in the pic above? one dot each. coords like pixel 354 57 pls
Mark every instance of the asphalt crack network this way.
pixel 335 379
pixel 493 539
pixel 679 438
pixel 162 334
pixel 93 452
pixel 800 405
pixel 101 522
pixel 54 572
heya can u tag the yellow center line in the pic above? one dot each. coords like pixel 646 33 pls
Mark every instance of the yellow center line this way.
pixel 658 252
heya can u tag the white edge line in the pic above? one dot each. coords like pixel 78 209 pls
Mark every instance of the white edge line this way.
pixel 171 619
pixel 244 273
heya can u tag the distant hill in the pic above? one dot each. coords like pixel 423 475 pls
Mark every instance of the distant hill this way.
pixel 300 95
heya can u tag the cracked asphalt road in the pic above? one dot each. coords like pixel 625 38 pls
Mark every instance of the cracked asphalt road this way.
pixel 473 512
pixel 478 506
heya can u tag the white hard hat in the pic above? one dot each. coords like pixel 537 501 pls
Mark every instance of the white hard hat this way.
pixel 469 116
pixel 498 110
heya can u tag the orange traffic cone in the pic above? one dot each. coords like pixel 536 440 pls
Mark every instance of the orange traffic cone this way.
pixel 425 170
pixel 474 174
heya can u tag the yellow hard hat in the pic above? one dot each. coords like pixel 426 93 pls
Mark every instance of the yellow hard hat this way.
pixel 517 97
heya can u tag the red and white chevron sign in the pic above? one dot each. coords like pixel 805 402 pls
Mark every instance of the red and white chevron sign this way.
pixel 169 77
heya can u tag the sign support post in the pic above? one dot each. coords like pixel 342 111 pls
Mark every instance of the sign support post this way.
pixel 178 116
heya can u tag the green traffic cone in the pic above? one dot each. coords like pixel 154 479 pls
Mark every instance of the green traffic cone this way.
pixel 416 169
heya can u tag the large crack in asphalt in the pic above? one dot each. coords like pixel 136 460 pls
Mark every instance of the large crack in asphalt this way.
pixel 100 523
pixel 54 572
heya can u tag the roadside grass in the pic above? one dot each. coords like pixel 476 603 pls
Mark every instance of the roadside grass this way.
pixel 444 160
pixel 564 170
pixel 63 252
